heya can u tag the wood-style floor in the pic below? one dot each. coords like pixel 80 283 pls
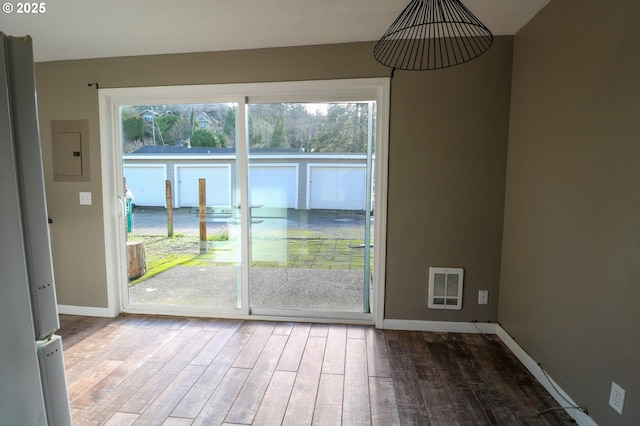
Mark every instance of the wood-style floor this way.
pixel 146 370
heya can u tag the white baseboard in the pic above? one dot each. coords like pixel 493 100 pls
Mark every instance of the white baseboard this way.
pixel 552 387
pixel 84 311
pixel 440 326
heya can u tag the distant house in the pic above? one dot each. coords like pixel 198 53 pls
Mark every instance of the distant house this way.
pixel 204 120
pixel 148 114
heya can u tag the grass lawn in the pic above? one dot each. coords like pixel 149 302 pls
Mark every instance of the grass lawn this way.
pixel 300 249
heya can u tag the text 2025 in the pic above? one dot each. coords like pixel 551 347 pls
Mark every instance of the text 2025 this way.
pixel 31 7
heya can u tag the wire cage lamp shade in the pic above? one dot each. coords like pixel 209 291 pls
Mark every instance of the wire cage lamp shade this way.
pixel 432 34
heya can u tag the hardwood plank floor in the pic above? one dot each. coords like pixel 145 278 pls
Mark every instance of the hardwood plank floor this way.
pixel 146 370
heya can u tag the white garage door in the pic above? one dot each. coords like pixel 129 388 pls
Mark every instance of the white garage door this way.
pixel 274 186
pixel 336 187
pixel 147 183
pixel 218 184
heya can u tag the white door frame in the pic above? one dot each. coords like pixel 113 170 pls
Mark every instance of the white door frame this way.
pixel 110 101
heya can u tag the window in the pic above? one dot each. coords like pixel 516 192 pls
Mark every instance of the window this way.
pixel 250 166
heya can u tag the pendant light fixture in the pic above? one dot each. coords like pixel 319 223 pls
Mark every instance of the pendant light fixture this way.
pixel 432 34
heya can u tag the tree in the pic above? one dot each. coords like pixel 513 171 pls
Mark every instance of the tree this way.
pixel 192 121
pixel 173 128
pixel 132 126
pixel 258 127
pixel 204 137
pixel 344 130
pixel 279 135
pixel 301 125
pixel 229 128
pixel 222 139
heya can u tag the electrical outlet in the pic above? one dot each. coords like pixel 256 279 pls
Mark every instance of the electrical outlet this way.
pixel 85 198
pixel 616 399
pixel 483 297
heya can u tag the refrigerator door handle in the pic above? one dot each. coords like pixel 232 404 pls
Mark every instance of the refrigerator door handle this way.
pixel 121 210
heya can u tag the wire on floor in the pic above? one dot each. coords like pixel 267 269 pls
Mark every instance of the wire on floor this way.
pixel 572 406
pixel 548 410
pixel 475 324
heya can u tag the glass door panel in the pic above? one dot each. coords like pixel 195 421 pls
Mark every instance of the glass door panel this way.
pixel 183 220
pixel 310 195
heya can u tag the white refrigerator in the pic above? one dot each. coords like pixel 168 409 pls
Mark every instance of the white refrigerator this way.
pixel 33 389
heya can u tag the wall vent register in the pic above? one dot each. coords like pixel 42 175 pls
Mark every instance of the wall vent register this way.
pixel 445 288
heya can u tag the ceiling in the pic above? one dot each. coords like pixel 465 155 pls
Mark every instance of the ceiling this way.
pixel 80 29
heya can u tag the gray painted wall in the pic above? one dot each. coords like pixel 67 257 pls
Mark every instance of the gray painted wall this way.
pixel 571 253
pixel 447 160
pixel 447 156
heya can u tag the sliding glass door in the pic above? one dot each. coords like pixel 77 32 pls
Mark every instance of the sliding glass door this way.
pixel 181 174
pixel 247 199
pixel 310 187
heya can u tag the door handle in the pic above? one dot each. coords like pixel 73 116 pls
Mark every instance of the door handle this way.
pixel 121 211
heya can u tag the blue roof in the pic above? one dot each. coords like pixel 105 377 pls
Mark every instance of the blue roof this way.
pixel 184 150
